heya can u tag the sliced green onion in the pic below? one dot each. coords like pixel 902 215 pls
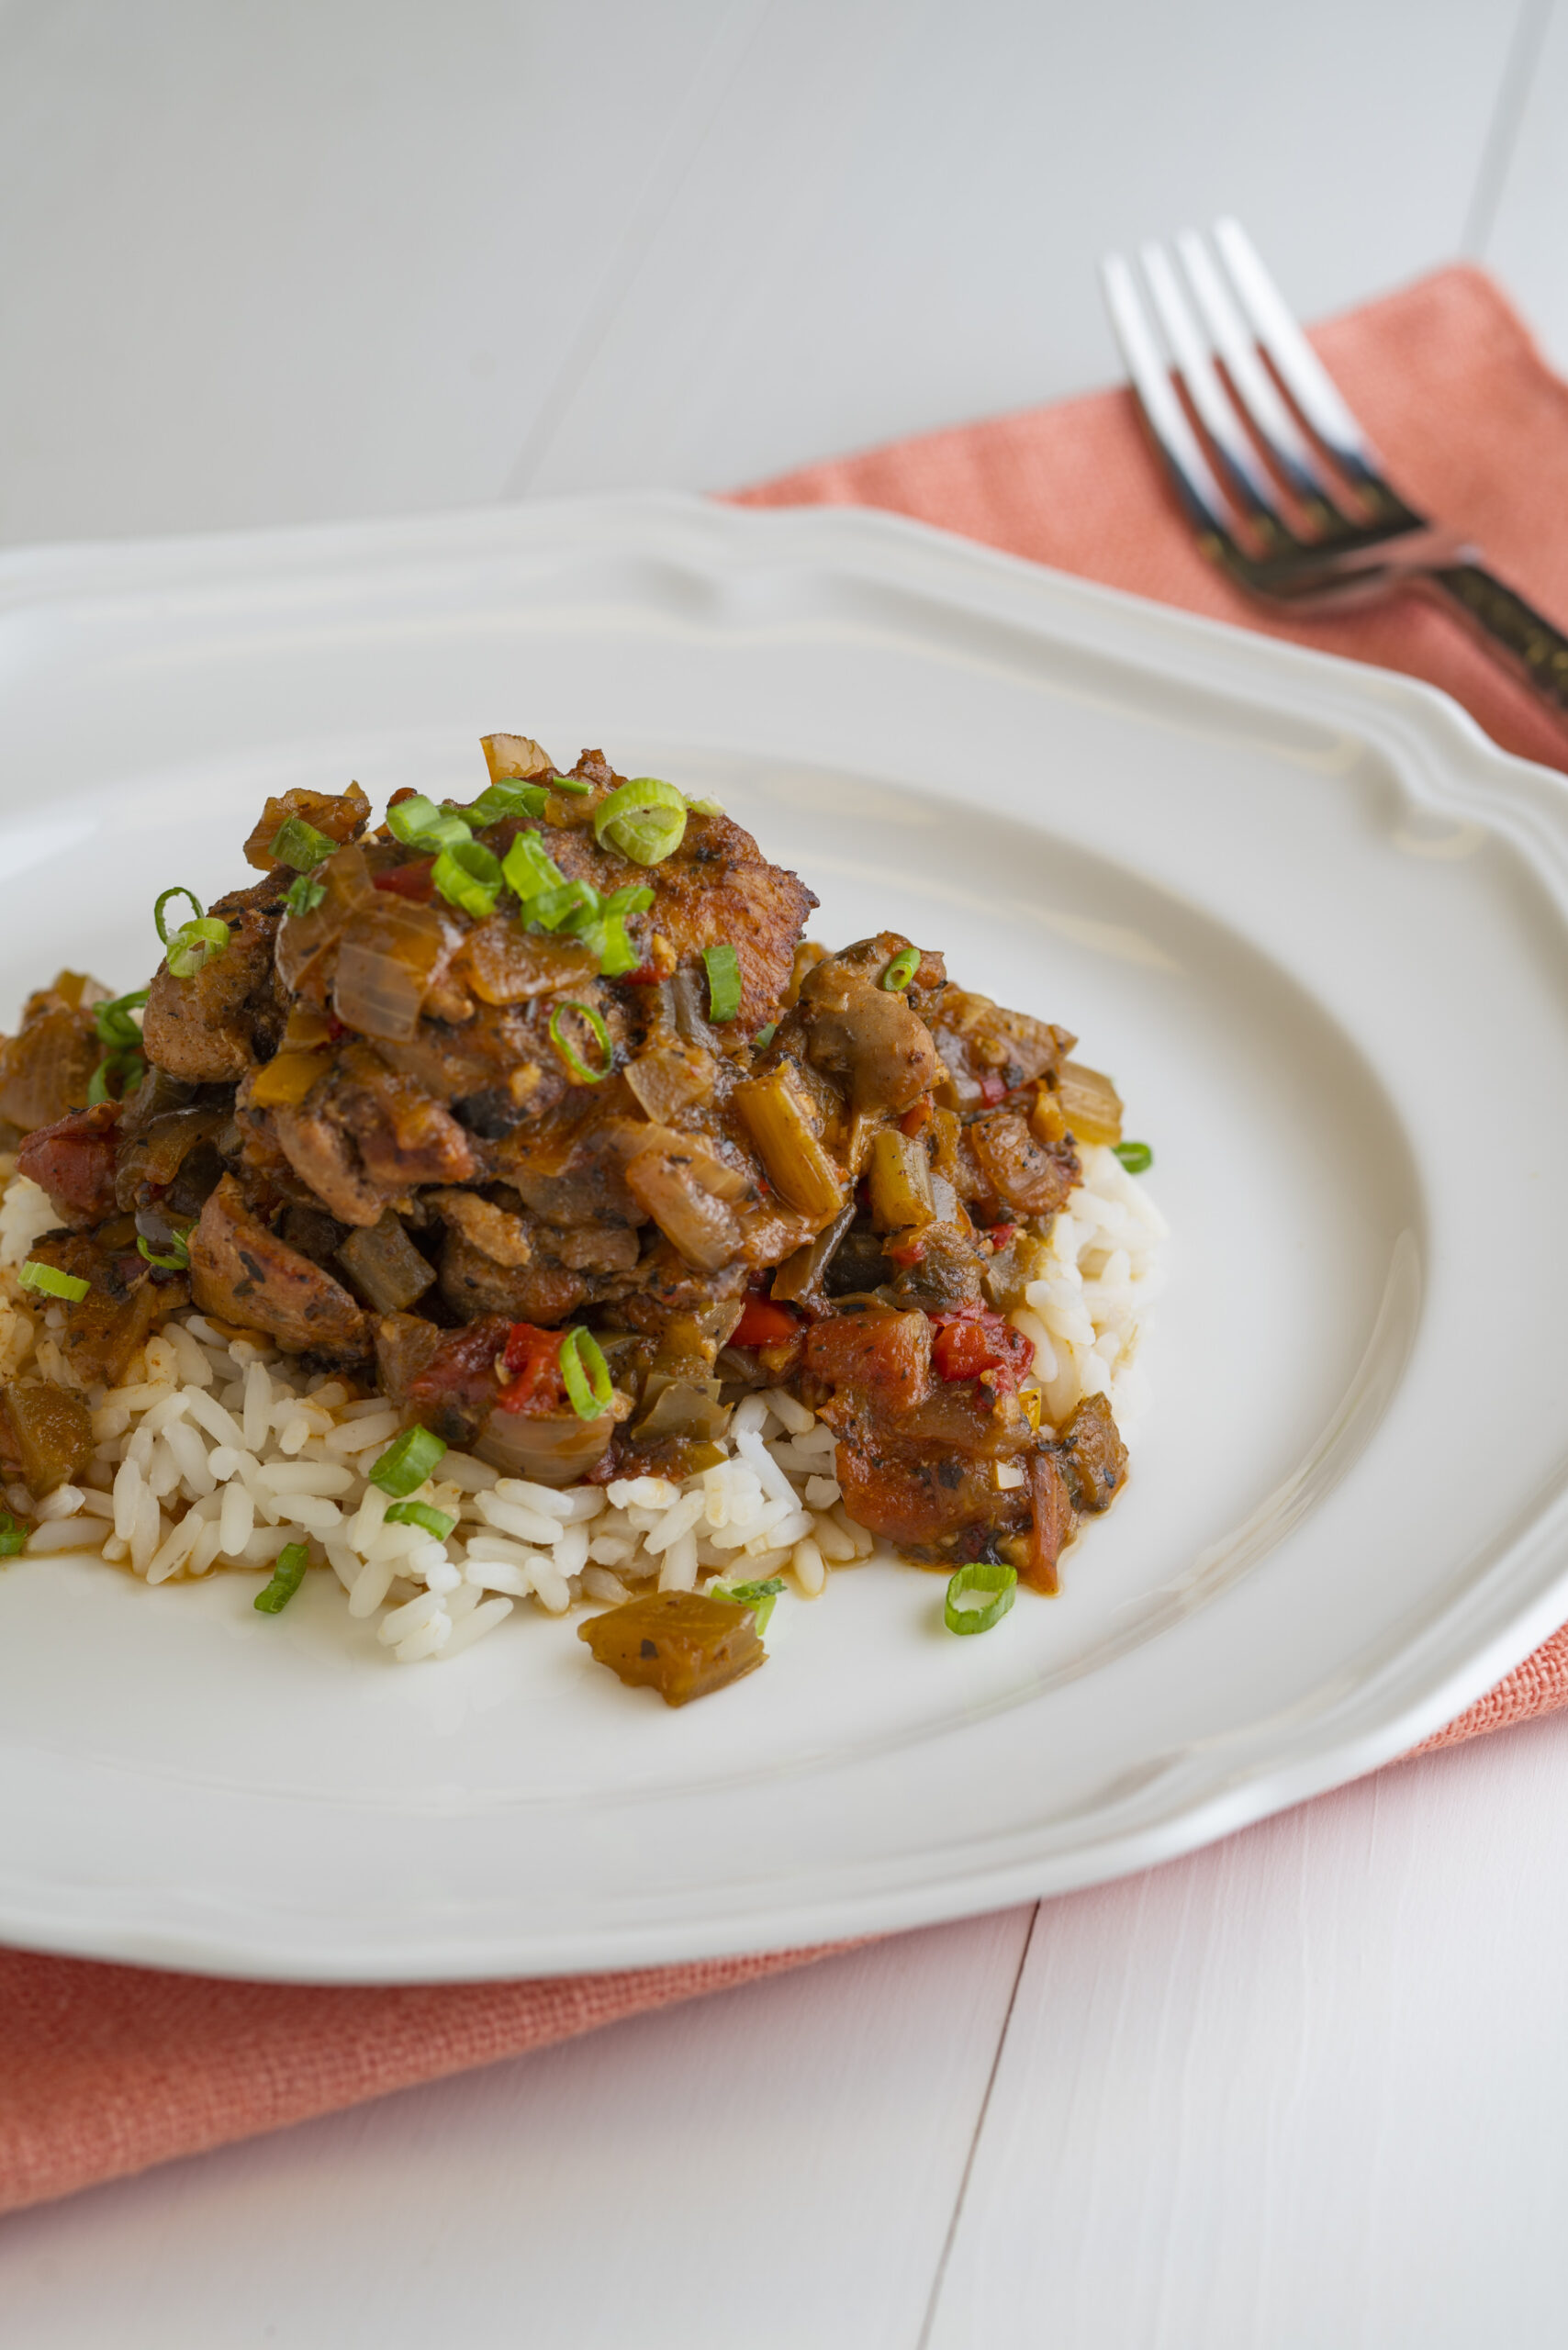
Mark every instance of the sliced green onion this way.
pixel 764 1038
pixel 571 906
pixel 1136 1157
pixel 900 970
pixel 178 1260
pixel 723 981
pixel 407 1463
pixel 502 800
pixel 644 818
pixel 433 1521
pixel 705 807
pixel 984 1574
pixel 572 783
pixel 195 945
pixel 127 1066
pixel 112 1021
pixel 529 868
pixel 161 902
pixel 287 1576
pixel 587 1375
pixel 13 1537
pixel 52 1282
pixel 758 1596
pixel 303 896
pixel 467 876
pixel 300 844
pixel 574 1062
pixel 417 822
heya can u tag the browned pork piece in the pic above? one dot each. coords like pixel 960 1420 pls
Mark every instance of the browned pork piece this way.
pixel 433 1096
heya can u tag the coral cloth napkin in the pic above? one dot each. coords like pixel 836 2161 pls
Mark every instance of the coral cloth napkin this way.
pixel 106 2069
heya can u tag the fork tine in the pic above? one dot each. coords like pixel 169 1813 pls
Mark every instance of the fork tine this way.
pixel 1295 361
pixel 1195 365
pixel 1255 387
pixel 1207 506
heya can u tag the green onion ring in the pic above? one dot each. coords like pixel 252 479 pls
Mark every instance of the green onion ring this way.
pixel 407 1463
pixel 51 1283
pixel 644 818
pixel 900 970
pixel 125 1064
pixel 415 820
pixel 287 1576
pixel 1136 1157
pixel 433 1521
pixel 758 1596
pixel 983 1575
pixel 13 1535
pixel 764 1038
pixel 498 800
pixel 529 870
pixel 303 896
pixel 723 981
pixel 194 943
pixel 467 876
pixel 161 902
pixel 179 1262
pixel 587 1375
pixel 571 783
pixel 113 1024
pixel 581 1073
pixel 298 844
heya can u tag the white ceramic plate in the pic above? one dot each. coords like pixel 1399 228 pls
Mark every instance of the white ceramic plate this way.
pixel 1308 916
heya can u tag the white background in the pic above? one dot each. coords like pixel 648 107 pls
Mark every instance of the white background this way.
pixel 314 259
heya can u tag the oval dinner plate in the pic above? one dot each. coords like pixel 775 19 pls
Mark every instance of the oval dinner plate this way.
pixel 1309 918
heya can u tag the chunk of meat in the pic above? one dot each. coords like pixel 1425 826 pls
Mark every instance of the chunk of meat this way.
pixel 867 1036
pixel 338 815
pixel 242 1273
pixel 492 1230
pixel 543 1289
pixel 877 1357
pixel 1050 1523
pixel 73 1162
pixel 215 1026
pixel 1031 1177
pixel 327 1161
pixel 925 1496
pixel 47 1067
pixel 405 1136
pixel 125 1299
pixel 1093 1457
pixel 987 1051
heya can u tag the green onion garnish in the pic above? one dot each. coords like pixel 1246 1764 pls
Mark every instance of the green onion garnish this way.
pixel 419 819
pixel 161 902
pixel 407 1463
pixel 300 844
pixel 178 1261
pixel 467 874
pixel 574 1062
pixel 13 1537
pixel 644 818
pixel 287 1576
pixel 723 981
pixel 572 783
pixel 127 1066
pixel 616 953
pixel 705 807
pixel 52 1282
pixel 571 906
pixel 499 800
pixel 434 1521
pixel 195 944
pixel 1136 1157
pixel 587 1375
pixel 900 970
pixel 758 1596
pixel 764 1038
pixel 113 1024
pixel 303 896
pixel 984 1574
pixel 529 868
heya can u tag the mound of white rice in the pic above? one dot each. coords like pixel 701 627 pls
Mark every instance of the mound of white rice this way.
pixel 217 1452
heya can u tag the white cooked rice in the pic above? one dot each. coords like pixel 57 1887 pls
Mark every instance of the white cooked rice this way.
pixel 218 1452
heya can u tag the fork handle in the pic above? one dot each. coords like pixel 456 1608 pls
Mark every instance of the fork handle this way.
pixel 1532 647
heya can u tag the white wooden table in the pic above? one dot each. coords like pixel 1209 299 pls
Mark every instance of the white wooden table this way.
pixel 317 258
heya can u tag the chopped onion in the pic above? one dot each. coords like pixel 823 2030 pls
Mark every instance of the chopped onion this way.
pixel 388 958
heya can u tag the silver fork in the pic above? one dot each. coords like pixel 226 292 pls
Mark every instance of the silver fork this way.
pixel 1295 506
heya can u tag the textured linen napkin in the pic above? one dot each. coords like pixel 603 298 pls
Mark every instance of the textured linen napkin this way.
pixel 106 2069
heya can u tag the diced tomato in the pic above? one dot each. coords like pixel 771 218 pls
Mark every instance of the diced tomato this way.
pixel 966 1344
pixel 531 1363
pixel 644 976
pixel 1000 1234
pixel 914 1121
pixel 407 880
pixel 763 1324
pixel 907 1250
pixel 992 1088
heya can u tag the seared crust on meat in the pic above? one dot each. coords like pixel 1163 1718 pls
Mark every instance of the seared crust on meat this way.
pixel 244 1273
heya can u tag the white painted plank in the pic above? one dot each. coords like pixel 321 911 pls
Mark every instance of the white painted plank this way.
pixel 1309 2087
pixel 1529 235
pixel 770 2168
pixel 275 262
pixel 892 222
